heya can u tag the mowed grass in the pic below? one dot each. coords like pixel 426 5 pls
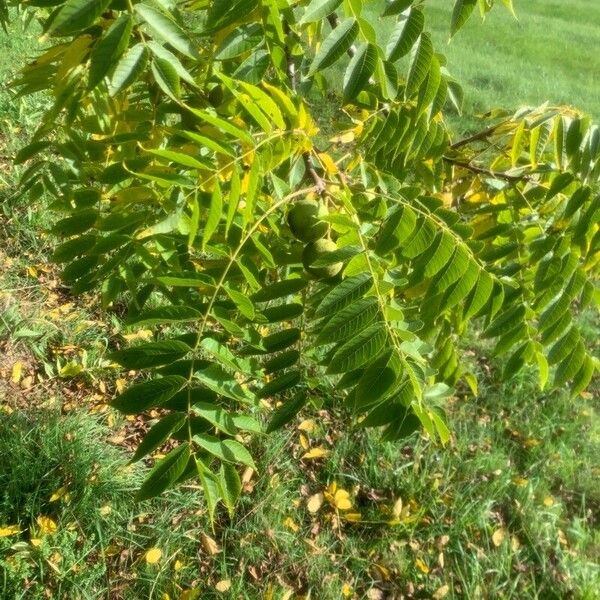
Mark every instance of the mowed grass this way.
pixel 548 54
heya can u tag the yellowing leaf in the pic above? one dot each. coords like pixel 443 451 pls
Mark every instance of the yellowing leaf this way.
pixel 515 544
pixel 9 530
pixel 498 536
pixel 223 586
pixel 153 555
pixel 421 566
pixel 328 163
pixel 47 525
pixel 35 542
pixel 313 453
pixel 192 594
pixel 314 503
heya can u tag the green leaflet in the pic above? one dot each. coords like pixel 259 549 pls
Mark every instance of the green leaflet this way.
pixel 349 320
pixel 344 293
pixel 165 473
pixel 239 41
pixel 231 486
pixel 405 34
pixel 461 13
pixel 148 394
pixel 158 434
pixel 167 78
pixel 151 354
pixel 287 411
pixel 359 71
pixel 378 380
pixel 214 215
pixel 420 65
pixel 279 384
pixel 319 9
pixel 165 27
pixel 165 314
pixel 227 450
pixel 109 49
pixel 280 289
pixel 76 15
pixel 359 350
pixel 335 45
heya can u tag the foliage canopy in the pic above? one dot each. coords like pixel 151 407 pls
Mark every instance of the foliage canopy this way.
pixel 272 186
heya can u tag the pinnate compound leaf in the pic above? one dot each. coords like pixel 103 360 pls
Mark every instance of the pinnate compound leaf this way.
pixel 165 473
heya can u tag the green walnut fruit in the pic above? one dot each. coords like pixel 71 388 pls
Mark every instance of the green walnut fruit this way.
pixel 305 222
pixel 315 250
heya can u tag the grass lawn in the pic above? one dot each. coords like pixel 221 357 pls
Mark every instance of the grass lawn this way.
pixel 510 509
pixel 549 54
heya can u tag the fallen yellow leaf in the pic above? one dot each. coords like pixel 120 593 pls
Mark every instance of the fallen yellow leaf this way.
pixel 313 453
pixel 16 371
pixel 153 555
pixel 291 524
pixel 59 493
pixel 209 544
pixel 397 509
pixel 223 586
pixel 314 503
pixel 307 425
pixel 10 530
pixel 441 592
pixel 421 566
pixel 498 536
pixel 341 500
pixel 47 525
